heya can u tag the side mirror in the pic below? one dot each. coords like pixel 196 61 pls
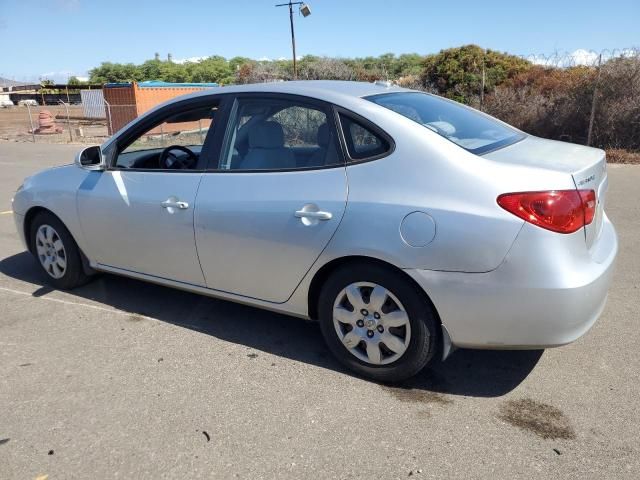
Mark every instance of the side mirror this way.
pixel 90 158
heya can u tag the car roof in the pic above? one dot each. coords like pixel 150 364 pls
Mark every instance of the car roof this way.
pixel 322 89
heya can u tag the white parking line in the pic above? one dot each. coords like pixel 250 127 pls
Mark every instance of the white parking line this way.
pixel 79 304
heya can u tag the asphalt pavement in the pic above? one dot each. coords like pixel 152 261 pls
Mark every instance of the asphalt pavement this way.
pixel 123 379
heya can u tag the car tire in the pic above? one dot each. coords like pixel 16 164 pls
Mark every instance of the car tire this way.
pixel 56 252
pixel 420 335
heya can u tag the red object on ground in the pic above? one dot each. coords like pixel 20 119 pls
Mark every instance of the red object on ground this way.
pixel 47 124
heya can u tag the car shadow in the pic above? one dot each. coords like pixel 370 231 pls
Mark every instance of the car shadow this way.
pixel 476 373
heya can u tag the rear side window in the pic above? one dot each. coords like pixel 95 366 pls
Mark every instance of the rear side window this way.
pixel 362 142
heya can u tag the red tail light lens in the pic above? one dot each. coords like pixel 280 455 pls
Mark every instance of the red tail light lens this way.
pixel 589 203
pixel 562 211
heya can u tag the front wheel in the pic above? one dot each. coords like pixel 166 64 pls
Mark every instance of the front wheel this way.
pixel 377 323
pixel 56 252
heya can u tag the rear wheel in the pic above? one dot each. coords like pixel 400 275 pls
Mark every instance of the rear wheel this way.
pixel 377 323
pixel 57 252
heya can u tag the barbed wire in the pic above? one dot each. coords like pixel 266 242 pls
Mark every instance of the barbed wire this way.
pixel 580 57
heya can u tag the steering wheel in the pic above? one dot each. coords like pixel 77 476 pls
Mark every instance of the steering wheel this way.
pixel 169 160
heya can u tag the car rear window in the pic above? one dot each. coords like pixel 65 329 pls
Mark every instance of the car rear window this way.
pixel 474 131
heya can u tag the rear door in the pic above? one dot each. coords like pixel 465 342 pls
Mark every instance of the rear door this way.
pixel 261 219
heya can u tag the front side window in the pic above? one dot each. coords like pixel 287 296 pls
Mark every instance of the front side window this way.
pixel 174 143
pixel 472 130
pixel 279 134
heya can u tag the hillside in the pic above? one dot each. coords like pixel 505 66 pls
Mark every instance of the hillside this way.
pixel 5 82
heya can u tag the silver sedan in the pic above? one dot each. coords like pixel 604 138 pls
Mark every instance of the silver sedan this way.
pixel 404 223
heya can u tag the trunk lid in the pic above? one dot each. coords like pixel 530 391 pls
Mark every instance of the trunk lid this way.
pixel 586 165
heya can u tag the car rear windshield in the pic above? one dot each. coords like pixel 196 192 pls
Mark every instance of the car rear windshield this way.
pixel 472 130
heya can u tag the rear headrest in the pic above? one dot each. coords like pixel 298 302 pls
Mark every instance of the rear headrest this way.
pixel 266 135
pixel 323 135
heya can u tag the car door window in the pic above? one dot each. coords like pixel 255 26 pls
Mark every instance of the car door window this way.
pixel 185 129
pixel 279 134
pixel 362 141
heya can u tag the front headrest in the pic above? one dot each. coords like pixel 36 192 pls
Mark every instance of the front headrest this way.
pixel 323 135
pixel 266 135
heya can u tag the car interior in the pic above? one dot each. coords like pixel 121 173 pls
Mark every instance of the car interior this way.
pixel 267 135
pixel 175 144
pixel 273 136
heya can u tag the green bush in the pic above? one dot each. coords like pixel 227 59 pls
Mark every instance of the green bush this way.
pixel 457 73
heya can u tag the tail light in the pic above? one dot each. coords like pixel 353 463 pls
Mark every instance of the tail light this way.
pixel 562 211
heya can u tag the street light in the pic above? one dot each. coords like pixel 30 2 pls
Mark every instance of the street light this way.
pixel 305 10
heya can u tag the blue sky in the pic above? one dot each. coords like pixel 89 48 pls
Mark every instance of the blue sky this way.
pixel 56 38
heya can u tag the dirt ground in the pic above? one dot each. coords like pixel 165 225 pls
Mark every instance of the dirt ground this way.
pixel 15 125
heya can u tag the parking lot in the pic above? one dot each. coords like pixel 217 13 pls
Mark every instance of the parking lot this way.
pixel 125 379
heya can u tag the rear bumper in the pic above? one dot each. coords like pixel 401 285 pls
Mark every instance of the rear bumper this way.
pixel 549 291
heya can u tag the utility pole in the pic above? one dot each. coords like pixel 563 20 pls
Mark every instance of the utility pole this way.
pixel 306 11
pixel 293 42
pixel 594 101
pixel 484 79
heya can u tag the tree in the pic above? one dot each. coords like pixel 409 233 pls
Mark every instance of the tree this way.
pixel 74 81
pixel 151 69
pixel 213 69
pixel 109 72
pixel 408 64
pixel 457 72
pixel 173 72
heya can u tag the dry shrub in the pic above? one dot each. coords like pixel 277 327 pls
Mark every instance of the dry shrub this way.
pixel 415 83
pixel 556 103
pixel 260 72
pixel 548 102
pixel 324 68
pixel 617 117
pixel 616 155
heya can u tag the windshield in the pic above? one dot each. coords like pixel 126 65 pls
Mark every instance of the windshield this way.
pixel 473 131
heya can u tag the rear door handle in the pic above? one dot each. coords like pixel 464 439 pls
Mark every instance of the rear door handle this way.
pixel 310 215
pixel 174 204
pixel 315 215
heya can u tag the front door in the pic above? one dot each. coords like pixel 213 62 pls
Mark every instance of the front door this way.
pixel 127 226
pixel 266 214
pixel 138 215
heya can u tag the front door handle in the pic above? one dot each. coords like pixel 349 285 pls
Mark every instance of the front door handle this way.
pixel 170 203
pixel 319 215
